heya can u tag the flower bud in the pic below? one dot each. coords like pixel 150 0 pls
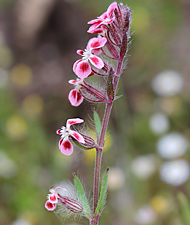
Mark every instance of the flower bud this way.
pixel 92 94
pixel 71 204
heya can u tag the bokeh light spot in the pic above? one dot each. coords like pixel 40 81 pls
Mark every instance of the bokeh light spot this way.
pixel 16 127
pixel 21 75
pixel 32 105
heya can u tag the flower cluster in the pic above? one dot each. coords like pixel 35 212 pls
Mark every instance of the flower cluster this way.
pixel 113 29
pixel 104 57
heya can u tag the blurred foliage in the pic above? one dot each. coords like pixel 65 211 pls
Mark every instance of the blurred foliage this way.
pixel 33 104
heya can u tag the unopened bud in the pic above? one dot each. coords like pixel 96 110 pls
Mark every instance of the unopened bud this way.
pixel 71 204
pixel 92 94
pixel 110 91
pixel 89 142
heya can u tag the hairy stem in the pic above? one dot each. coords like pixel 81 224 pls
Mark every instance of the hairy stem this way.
pixel 99 154
pixel 99 150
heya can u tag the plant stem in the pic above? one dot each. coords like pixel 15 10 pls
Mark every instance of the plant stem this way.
pixel 101 142
pixel 99 154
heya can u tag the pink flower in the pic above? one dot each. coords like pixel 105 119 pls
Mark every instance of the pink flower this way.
pixel 105 19
pixel 65 145
pixel 69 203
pixel 50 204
pixel 82 67
pixel 75 96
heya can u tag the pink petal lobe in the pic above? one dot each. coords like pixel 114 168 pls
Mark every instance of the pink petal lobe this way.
pixel 97 31
pixel 58 131
pixel 93 27
pixel 53 198
pixel 97 51
pixel 80 52
pixel 96 61
pixel 103 16
pixel 75 65
pixel 95 43
pixel 49 206
pixel 74 121
pixel 77 136
pixel 83 69
pixel 72 81
pixel 111 8
pixel 111 20
pixel 75 97
pixel 66 147
pixel 95 21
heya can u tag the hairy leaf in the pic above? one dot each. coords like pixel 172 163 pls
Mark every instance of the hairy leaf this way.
pixel 82 197
pixel 103 193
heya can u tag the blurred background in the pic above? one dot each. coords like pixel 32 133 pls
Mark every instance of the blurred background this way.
pixel 147 144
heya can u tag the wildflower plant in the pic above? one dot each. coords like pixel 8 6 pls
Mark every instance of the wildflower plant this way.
pixel 104 56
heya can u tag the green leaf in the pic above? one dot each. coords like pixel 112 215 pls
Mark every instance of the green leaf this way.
pixel 184 208
pixel 82 197
pixel 103 192
pixel 98 124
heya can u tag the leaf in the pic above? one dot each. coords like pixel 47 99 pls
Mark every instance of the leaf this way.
pixel 184 208
pixel 103 192
pixel 82 197
pixel 98 124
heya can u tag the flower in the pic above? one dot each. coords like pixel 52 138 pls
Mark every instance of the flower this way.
pixel 175 172
pixel 65 145
pixel 75 96
pixel 69 203
pixel 82 67
pixel 172 145
pixel 103 20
